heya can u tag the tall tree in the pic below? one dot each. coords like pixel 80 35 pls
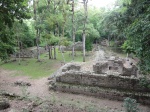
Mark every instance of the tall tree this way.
pixel 73 29
pixel 85 2
pixel 9 11
pixel 35 5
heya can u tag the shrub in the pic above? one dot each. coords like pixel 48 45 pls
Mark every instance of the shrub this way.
pixel 130 105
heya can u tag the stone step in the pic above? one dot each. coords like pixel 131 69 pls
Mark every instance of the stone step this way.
pixel 112 94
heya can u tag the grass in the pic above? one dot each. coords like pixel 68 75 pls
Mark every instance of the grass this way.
pixel 67 55
pixel 30 66
pixel 112 50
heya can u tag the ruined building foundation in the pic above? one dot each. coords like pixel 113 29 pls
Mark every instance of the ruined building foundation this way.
pixel 111 79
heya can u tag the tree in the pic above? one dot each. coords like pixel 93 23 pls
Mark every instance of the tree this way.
pixel 73 29
pixel 22 36
pixel 129 22
pixel 18 30
pixel 137 32
pixel 35 5
pixel 9 11
pixel 84 27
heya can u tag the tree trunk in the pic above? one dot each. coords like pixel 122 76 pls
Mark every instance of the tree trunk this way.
pixel 46 47
pixel 15 56
pixel 108 41
pixel 73 31
pixel 127 56
pixel 49 51
pixel 19 52
pixel 21 49
pixel 54 52
pixel 37 44
pixel 34 8
pixel 35 3
pixel 62 54
pixel 84 28
pixel 83 46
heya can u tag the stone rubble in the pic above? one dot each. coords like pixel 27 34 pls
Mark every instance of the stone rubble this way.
pixel 117 65
pixel 22 83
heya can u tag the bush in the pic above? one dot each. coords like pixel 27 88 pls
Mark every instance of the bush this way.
pixel 130 105
pixel 28 42
pixel 88 44
pixel 144 83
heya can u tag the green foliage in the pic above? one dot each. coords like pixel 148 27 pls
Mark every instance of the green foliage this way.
pixel 88 44
pixel 138 33
pixel 22 33
pixel 54 40
pixel 64 41
pixel 9 11
pixel 144 82
pixel 130 23
pixel 7 44
pixel 127 48
pixel 130 105
pixel 92 32
pixel 51 39
pixel 28 41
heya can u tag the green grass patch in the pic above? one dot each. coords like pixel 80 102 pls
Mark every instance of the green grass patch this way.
pixel 67 56
pixel 30 66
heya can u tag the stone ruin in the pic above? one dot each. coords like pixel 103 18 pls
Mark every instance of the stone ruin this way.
pixel 117 65
pixel 31 52
pixel 105 42
pixel 109 79
pixel 77 47
pixel 71 66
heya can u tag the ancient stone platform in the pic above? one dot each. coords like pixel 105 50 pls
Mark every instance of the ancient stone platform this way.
pixel 113 78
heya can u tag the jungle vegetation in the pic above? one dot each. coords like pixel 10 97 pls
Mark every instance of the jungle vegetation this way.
pixel 26 23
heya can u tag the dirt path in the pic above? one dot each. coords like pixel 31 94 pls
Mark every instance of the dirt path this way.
pixel 7 83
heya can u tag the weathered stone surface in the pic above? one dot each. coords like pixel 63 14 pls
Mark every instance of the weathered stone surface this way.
pixel 101 80
pixel 111 94
pixel 115 64
pixel 22 83
pixel 105 42
pixel 77 47
pixel 130 71
pixel 4 104
pixel 7 94
pixel 31 52
pixel 71 66
pixel 111 86
pixel 112 78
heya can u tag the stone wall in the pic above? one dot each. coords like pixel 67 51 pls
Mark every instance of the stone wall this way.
pixel 110 94
pixel 113 87
pixel 77 47
pixel 31 52
pixel 114 64
pixel 109 85
pixel 101 80
pixel 71 66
